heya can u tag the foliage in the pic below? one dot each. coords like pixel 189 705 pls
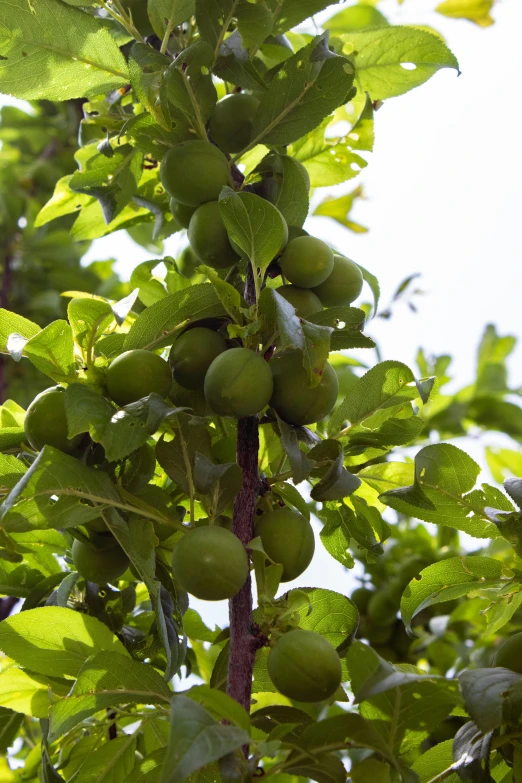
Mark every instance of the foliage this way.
pixel 94 678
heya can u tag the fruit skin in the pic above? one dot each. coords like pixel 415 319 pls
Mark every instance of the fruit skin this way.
pixel 187 262
pixel 136 374
pixel 138 468
pixel 307 262
pixel 181 212
pixel 193 353
pixel 509 654
pixel 231 122
pixel 194 172
pixel 292 398
pixel 45 422
pixel 210 563
pixel 304 666
pixel 382 608
pixel 238 383
pixel 343 286
pixel 288 539
pixel 189 398
pixel 103 561
pixel 303 299
pixel 209 239
pixel 361 597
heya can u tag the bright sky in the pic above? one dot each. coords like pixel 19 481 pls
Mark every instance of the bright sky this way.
pixel 443 198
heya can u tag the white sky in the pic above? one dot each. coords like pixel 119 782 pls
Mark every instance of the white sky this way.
pixel 444 196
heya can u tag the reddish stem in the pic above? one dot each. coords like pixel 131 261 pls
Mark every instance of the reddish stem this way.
pixel 243 640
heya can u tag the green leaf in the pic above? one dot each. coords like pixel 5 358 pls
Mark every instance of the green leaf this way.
pixel 52 351
pixel 380 394
pixel 177 11
pixel 356 17
pixel 331 159
pixel 229 296
pixel 158 325
pixel 347 324
pixel 434 761
pixel 82 60
pixel 405 715
pixel 64 201
pixel 389 61
pixel 492 696
pixel 32 504
pixel 308 87
pixel 11 471
pixel 290 13
pixel 477 11
pixel 9 725
pixel 147 70
pixel 287 188
pixel 27 693
pixel 196 740
pixel 300 465
pixel 177 457
pixel 211 18
pixel 113 180
pixel 363 524
pixel 148 770
pixel 89 319
pixel 348 730
pixel 255 225
pixel 449 579
pixel 443 493
pixel 219 484
pixel 491 364
pixel 107 680
pixel 339 208
pixel 55 641
pixel 337 483
pixel 110 763
pixel 151 289
pixel 221 706
pixel 189 84
pixel 329 613
pixel 255 22
pixel 12 323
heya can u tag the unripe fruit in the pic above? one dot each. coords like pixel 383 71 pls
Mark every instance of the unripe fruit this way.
pixel 509 654
pixel 102 561
pixel 187 262
pixel 194 172
pixel 136 374
pixel 45 422
pixel 303 299
pixel 181 212
pixel 209 239
pixel 138 468
pixel 361 597
pixel 343 286
pixel 307 262
pixel 210 563
pixel 189 398
pixel 231 122
pixel 304 666
pixel 382 608
pixel 292 398
pixel 238 383
pixel 193 353
pixel 288 539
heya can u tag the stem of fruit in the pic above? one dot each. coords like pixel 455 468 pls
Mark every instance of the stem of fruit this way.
pixel 243 641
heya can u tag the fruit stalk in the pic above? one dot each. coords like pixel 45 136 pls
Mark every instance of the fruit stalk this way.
pixel 243 641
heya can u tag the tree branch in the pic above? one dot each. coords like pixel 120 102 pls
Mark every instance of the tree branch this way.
pixel 243 640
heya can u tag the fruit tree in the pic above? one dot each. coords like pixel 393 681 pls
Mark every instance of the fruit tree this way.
pixel 153 434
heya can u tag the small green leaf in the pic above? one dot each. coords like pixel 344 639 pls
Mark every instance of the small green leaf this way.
pixel 451 578
pixel 309 86
pixel 196 740
pixel 12 323
pixel 55 641
pixel 107 680
pixel 83 60
pixel 147 70
pixel 339 210
pixel 389 61
pixel 492 696
pixel 356 17
pixel 255 225
pixel 254 22
pixel 157 326
pixel 477 11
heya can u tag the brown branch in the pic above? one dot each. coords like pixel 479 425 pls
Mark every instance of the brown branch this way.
pixel 243 640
